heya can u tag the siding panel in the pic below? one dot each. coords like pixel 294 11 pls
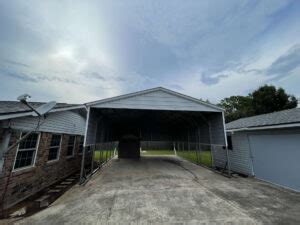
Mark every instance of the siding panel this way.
pixel 239 157
pixel 68 122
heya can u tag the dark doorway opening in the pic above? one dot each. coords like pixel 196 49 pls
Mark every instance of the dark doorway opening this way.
pixel 129 147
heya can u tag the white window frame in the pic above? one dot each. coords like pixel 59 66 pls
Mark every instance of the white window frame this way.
pixel 35 155
pixel 59 149
pixel 74 145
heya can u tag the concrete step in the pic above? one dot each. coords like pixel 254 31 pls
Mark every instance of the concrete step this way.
pixel 70 179
pixel 17 213
pixel 61 186
pixel 66 183
pixel 43 201
pixel 54 190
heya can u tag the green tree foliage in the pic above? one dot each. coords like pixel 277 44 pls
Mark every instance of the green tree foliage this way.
pixel 268 99
pixel 237 107
pixel 265 99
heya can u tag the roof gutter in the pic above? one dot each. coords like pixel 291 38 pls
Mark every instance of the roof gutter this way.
pixel 264 127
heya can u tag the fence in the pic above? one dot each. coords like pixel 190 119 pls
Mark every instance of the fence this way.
pixel 209 155
pixel 95 156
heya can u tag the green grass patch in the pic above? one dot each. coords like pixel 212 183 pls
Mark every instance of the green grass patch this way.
pixel 157 152
pixel 102 155
pixel 202 157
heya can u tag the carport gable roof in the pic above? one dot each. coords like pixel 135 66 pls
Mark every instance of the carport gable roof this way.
pixel 156 99
pixel 281 119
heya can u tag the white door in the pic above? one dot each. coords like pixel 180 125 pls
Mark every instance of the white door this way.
pixel 276 158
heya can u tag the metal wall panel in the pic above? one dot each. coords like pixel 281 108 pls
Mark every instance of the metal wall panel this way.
pixel 276 158
pixel 92 127
pixel 240 155
pixel 217 138
pixel 158 100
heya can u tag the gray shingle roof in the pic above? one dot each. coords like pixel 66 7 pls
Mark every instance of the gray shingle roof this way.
pixel 8 107
pixel 276 118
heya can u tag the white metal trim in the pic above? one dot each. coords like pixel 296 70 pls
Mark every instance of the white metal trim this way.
pixel 265 127
pixel 224 127
pixel 86 125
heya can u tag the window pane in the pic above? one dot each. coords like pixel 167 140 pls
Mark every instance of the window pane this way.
pixel 55 140
pixel 81 144
pixel 71 144
pixel 29 142
pixel 24 158
pixel 71 140
pixel 70 150
pixel 53 153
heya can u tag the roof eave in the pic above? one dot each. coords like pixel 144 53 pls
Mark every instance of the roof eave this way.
pixel 30 113
pixel 269 127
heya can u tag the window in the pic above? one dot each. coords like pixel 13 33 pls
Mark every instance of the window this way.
pixel 229 142
pixel 26 151
pixel 54 147
pixel 81 144
pixel 71 146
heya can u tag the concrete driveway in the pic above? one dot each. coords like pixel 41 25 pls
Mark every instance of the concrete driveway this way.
pixel 169 190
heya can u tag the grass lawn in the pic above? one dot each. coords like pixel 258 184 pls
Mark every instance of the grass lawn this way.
pixel 204 157
pixel 157 152
pixel 103 154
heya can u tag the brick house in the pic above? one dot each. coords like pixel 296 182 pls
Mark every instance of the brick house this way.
pixel 50 153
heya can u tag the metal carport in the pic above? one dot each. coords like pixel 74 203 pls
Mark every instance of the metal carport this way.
pixel 155 115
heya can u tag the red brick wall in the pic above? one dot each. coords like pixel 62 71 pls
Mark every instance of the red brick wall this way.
pixel 27 181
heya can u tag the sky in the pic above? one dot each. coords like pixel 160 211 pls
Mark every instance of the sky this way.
pixel 80 51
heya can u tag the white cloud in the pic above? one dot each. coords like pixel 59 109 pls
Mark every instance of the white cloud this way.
pixel 83 51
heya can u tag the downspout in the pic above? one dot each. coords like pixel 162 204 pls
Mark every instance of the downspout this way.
pixel 84 144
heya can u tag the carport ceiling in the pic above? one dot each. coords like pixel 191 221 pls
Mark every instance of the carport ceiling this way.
pixel 178 118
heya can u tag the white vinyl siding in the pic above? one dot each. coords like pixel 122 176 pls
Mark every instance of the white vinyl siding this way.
pixel 67 122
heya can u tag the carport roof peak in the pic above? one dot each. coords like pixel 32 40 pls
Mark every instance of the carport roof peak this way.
pixel 156 89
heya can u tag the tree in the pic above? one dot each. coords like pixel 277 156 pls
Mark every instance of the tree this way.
pixel 267 99
pixel 237 107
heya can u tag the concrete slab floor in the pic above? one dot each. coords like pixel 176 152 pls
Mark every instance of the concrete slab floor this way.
pixel 159 190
